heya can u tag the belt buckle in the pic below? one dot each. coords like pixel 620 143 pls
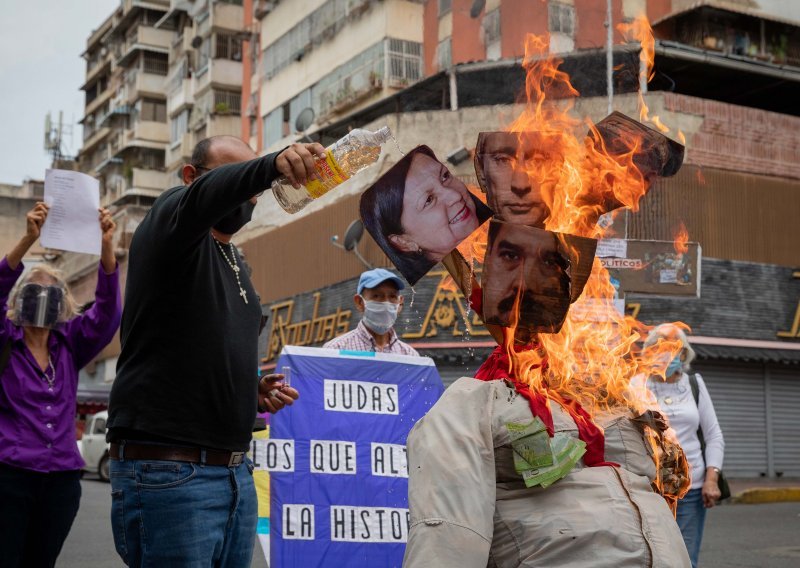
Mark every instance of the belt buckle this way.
pixel 236 459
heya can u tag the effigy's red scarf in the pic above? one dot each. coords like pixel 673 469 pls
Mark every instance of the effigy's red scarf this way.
pixel 497 367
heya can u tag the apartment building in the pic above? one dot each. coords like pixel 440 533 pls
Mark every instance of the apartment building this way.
pixel 125 119
pixel 206 69
pixel 325 59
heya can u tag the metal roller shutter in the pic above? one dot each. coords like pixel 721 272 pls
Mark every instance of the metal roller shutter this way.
pixel 785 411
pixel 737 392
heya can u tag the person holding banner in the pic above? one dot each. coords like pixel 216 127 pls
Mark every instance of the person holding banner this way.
pixel 43 345
pixel 184 401
pixel 379 301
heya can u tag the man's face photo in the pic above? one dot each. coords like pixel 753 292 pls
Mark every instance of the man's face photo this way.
pixel 515 169
pixel 525 270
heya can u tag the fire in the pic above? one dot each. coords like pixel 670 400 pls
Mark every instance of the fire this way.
pixel 594 357
pixel 681 240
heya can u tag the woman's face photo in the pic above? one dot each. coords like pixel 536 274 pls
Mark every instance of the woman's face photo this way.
pixel 438 211
pixel 418 213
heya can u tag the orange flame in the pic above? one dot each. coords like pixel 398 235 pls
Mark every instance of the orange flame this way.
pixel 681 240
pixel 594 357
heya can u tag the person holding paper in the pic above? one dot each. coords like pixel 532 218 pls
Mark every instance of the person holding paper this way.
pixel 184 401
pixel 379 301
pixel 43 345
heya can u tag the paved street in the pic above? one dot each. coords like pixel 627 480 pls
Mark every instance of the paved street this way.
pixel 736 535
pixel 90 544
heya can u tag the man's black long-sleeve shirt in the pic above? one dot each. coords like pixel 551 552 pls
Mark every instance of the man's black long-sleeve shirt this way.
pixel 187 370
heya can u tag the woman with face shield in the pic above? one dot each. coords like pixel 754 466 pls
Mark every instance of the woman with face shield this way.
pixel 43 345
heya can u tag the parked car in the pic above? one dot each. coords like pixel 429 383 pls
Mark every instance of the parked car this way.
pixel 93 445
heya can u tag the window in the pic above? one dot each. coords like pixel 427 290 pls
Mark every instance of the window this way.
pixel 444 7
pixel 405 61
pixel 273 127
pixel 562 18
pixel 228 101
pixel 202 56
pixel 155 63
pixel 153 110
pixel 228 46
pixel 444 55
pixel 99 426
pixel 178 126
pixel 491 34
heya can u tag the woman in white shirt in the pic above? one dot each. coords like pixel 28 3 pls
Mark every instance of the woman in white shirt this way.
pixel 674 394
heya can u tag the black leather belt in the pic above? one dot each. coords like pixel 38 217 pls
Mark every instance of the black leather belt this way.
pixel 134 451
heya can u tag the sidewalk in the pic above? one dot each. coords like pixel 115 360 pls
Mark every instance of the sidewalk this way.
pixel 764 490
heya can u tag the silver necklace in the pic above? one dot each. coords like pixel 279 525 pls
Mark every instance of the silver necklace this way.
pixel 234 266
pixel 51 379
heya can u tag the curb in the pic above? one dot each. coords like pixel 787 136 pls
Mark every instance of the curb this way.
pixel 767 495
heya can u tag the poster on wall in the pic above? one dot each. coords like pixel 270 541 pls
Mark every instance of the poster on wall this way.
pixel 337 457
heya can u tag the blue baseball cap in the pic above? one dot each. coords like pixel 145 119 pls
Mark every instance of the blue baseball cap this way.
pixel 376 277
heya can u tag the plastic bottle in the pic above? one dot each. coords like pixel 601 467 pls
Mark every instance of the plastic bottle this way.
pixel 348 156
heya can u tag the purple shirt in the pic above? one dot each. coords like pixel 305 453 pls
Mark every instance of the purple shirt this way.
pixel 37 423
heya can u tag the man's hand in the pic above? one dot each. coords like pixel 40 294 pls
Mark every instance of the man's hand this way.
pixel 297 162
pixel 273 394
pixel 35 219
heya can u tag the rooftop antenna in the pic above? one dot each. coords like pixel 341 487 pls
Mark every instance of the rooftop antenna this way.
pixel 54 136
pixel 352 236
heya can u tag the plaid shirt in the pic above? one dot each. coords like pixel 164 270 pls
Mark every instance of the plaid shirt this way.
pixel 361 340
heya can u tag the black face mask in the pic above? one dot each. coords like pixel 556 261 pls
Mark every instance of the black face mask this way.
pixel 236 219
pixel 39 306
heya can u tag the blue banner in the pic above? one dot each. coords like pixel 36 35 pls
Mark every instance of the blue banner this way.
pixel 337 458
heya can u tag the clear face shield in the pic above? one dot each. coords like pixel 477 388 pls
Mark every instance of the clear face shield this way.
pixel 39 306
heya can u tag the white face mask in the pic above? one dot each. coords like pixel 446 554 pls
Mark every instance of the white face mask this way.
pixel 380 316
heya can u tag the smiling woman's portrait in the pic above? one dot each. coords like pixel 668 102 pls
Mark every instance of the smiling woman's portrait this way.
pixel 418 212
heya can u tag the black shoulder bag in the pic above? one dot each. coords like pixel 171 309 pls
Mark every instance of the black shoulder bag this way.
pixel 5 355
pixel 722 483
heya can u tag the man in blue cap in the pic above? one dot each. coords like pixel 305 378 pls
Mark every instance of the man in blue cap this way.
pixel 378 299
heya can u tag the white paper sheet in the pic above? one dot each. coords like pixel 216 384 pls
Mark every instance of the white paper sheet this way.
pixel 72 223
pixel 612 248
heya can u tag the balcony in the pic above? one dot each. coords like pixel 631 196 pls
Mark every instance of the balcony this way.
pixel 146 134
pixel 94 139
pixel 136 181
pixel 180 98
pixel 224 124
pixel 98 101
pixel 144 38
pixel 220 73
pixel 180 152
pixel 141 84
pixel 227 16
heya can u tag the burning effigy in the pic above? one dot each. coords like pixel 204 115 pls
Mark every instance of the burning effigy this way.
pixel 551 455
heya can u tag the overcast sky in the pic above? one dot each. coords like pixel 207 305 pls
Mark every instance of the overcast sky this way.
pixel 41 70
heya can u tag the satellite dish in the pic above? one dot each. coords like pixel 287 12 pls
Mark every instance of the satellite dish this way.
pixel 197 41
pixel 477 8
pixel 304 119
pixel 353 234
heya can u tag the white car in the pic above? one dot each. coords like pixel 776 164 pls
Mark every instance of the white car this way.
pixel 93 445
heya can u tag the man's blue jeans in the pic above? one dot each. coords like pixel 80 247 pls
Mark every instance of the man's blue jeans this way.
pixel 166 513
pixel 691 517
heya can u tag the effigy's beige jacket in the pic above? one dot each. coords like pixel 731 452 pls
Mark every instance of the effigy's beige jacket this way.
pixel 471 509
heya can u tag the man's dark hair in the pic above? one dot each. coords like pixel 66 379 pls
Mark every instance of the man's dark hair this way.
pixel 200 152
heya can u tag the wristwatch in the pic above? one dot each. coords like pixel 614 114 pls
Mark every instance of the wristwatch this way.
pixel 716 469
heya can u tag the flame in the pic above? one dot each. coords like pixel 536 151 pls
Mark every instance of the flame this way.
pixel 681 240
pixel 595 355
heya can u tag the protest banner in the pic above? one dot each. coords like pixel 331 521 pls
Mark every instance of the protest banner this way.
pixel 337 457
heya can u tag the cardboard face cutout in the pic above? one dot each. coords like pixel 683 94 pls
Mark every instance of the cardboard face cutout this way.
pixel 518 171
pixel 531 276
pixel 418 212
